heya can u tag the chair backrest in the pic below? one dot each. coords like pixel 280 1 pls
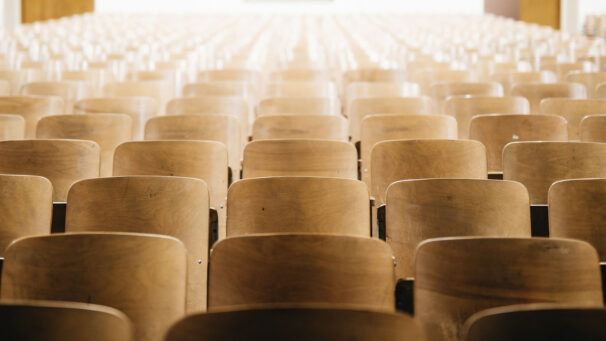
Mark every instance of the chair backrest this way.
pixel 537 165
pixel 327 127
pixel 142 275
pixel 440 91
pixel 158 90
pixel 497 130
pixel 301 89
pixel 426 77
pixel 298 205
pixel 17 78
pixel 31 108
pixel 371 74
pixel 464 108
pixel 395 160
pixel 240 75
pixel 301 268
pixel 508 79
pixel 593 128
pixel 535 92
pixel 107 130
pixel 218 88
pixel 573 110
pixel 300 74
pixel 69 91
pixel 457 277
pixel 357 90
pixel 298 106
pixel 300 157
pixel 297 323
pixel 589 79
pixel 35 320
pixel 63 162
pixel 12 127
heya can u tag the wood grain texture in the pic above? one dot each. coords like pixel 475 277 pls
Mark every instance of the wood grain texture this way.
pixel 440 91
pixel 535 92
pixel 69 91
pixel 573 110
pixel 415 159
pixel 537 165
pixel 275 127
pixel 158 90
pixel 301 89
pixel 40 10
pixel 32 109
pixel 301 268
pixel 457 277
pixel 589 79
pixel 140 274
pixel 12 127
pixel 496 130
pixel 298 106
pixel 593 128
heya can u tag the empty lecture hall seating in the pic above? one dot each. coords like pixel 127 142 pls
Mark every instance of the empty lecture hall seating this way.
pixel 329 176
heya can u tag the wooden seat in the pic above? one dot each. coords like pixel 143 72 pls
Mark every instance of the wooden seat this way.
pixel 158 90
pixel 63 162
pixel 535 92
pixel 296 323
pixel 69 91
pixel 140 274
pixel 32 109
pixel 508 79
pixel 537 165
pixel 464 108
pixel 300 157
pixel 107 130
pixel 457 277
pixel 173 206
pixel 593 128
pixel 432 208
pixel 328 127
pixel 255 270
pixel 57 321
pixel 298 106
pixel 573 110
pixel 440 91
pixel 12 127
pixel 301 89
pixel 496 130
pixel 589 79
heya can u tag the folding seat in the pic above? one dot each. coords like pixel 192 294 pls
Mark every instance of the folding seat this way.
pixel 537 165
pixel 18 78
pixel 302 322
pixel 5 88
pixel 140 109
pixel 497 130
pixel 107 130
pixel 425 78
pixel 142 275
pixel 457 277
pixel 535 92
pixel 57 321
pixel 69 91
pixel 357 90
pixel 12 127
pixel 300 89
pixel 573 110
pixel 589 79
pixel 257 270
pixel 328 127
pixel 158 90
pixel 307 75
pixel 298 106
pixel 300 157
pixel 593 128
pixel 440 91
pixel 63 162
pixel 173 206
pixel 508 79
pixel 31 109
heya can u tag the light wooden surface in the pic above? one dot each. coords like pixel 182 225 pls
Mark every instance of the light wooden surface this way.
pixel 297 323
pixel 542 12
pixel 573 110
pixel 230 74
pixel 457 277
pixel 298 205
pixel 300 89
pixel 12 127
pixel 5 87
pixel 358 90
pixel 298 106
pixel 107 130
pixel 63 162
pixel 593 128
pixel 142 275
pixel 535 92
pixel 39 10
pixel 32 109
pixel 539 164
pixel 300 157
pixel 367 74
pixel 218 88
pixel 496 130
pixel 418 210
pixel 327 127
pixel 173 206
pixel 17 78
pixel 589 79
pixel 508 79
pixel 94 78
pixel 69 91
pixel 440 91
pixel 158 90
pixel 301 268
pixel 426 77
pixel 299 74
pixel 415 159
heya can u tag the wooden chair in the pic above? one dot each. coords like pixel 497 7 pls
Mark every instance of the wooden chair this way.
pixel 235 74
pixel 440 91
pixel 372 74
pixel 173 206
pixel 307 75
pixel 562 70
pixel 589 79
pixel 5 88
pixel 573 110
pixel 298 205
pixel 219 88
pixel 535 92
pixel 63 162
pixel 508 79
pixel 300 157
pixel 296 323
pixel 327 127
pixel 395 160
pixel 158 90
pixel 140 274
pixel 425 77
pixel 12 127
pixel 593 128
pixel 298 106
pixel 457 277
pixel 57 321
pixel 537 165
pixel 431 208
pixel 497 130
pixel 301 89
pixel 18 78
pixel 600 90
pixel 107 130
pixel 94 78
pixel 358 90
pixel 464 108
pixel 69 91
pixel 32 109
pixel 255 270
pixel 538 321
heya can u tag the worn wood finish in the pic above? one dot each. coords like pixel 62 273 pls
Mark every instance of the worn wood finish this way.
pixel 465 108
pixel 593 128
pixel 303 75
pixel 297 323
pixel 158 90
pixel 32 109
pixel 69 91
pixel 457 277
pixel 300 157
pixel 589 79
pixel 415 159
pixel 142 275
pixel 107 130
pixel 298 106
pixel 17 78
pixel 301 89
pixel 573 110
pixel 63 162
pixel 432 208
pixel 496 130
pixel 440 91
pixel 57 321
pixel 539 164
pixel 12 127
pixel 382 127
pixel 508 79
pixel 535 92
pixel 327 127
pixel 173 206
pixel 301 268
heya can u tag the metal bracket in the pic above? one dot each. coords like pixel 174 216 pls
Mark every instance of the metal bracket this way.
pixel 405 295
pixel 539 220
pixel 58 220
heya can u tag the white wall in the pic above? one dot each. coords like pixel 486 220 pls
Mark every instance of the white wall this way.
pixel 10 13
